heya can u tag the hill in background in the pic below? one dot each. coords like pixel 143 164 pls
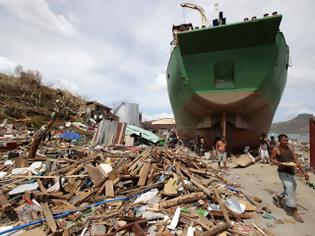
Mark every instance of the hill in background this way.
pixel 25 99
pixel 298 125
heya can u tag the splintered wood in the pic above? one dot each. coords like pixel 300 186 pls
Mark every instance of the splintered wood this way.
pixel 49 218
pixel 120 191
pixel 183 199
pixel 144 174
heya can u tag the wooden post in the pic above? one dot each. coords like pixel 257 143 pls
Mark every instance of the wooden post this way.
pixel 224 125
pixel 312 141
pixel 38 138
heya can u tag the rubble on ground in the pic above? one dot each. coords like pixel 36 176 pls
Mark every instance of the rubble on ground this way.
pixel 118 190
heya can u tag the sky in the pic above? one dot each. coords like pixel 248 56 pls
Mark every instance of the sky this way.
pixel 114 50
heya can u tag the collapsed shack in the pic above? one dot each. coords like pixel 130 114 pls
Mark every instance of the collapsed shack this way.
pixel 152 190
pixel 111 132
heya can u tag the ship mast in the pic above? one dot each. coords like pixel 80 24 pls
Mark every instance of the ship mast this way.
pixel 204 19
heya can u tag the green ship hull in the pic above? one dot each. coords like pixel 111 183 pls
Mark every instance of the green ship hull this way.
pixel 234 72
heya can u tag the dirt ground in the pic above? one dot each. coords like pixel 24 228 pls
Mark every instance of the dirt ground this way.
pixel 261 180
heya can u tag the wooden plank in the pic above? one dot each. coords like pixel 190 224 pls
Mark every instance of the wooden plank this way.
pixel 8 209
pixel 141 189
pixel 63 205
pixel 101 188
pixel 202 187
pixel 241 216
pixel 259 230
pixel 81 197
pixel 197 183
pixel 222 207
pixel 95 174
pixel 144 172
pixel 73 170
pixel 142 156
pixel 49 217
pixel 215 230
pixel 21 162
pixel 109 189
pixel 128 227
pixel 137 230
pixel 205 223
pixel 183 199
pixel 38 137
pixel 150 177
pixel 34 232
pixel 66 232
pixel 47 177
pixel 41 186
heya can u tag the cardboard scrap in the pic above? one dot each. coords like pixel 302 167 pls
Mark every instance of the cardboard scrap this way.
pixel 170 188
pixel 245 160
pixel 248 205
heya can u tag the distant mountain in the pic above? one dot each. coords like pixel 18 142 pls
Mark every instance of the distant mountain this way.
pixel 298 125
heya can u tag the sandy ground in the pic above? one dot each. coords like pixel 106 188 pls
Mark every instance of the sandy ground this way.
pixel 261 180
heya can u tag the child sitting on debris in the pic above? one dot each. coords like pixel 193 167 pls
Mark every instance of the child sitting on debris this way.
pixel 220 147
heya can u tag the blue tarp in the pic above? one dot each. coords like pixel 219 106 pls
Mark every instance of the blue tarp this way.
pixel 70 136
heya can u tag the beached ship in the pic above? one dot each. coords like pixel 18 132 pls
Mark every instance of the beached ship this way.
pixel 227 79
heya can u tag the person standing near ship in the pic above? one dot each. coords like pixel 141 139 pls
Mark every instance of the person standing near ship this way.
pixel 272 144
pixel 284 156
pixel 263 148
pixel 220 147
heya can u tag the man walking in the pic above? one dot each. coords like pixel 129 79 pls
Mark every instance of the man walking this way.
pixel 283 155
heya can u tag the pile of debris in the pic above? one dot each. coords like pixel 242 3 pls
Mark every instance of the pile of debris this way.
pixel 302 151
pixel 153 190
pixel 10 137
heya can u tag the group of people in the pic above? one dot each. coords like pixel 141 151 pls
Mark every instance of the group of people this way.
pixel 279 153
pixel 265 147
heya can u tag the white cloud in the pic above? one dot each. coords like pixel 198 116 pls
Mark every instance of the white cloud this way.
pixel 111 52
pixel 291 109
pixel 159 83
pixel 7 66
pixel 301 76
pixel 67 85
pixel 147 117
pixel 36 13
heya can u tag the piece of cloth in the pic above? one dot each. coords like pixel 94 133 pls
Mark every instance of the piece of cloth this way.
pixel 264 155
pixel 221 156
pixel 286 155
pixel 264 146
pixel 289 187
pixel 246 149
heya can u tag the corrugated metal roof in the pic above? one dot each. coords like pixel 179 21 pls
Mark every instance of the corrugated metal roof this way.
pixel 132 129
